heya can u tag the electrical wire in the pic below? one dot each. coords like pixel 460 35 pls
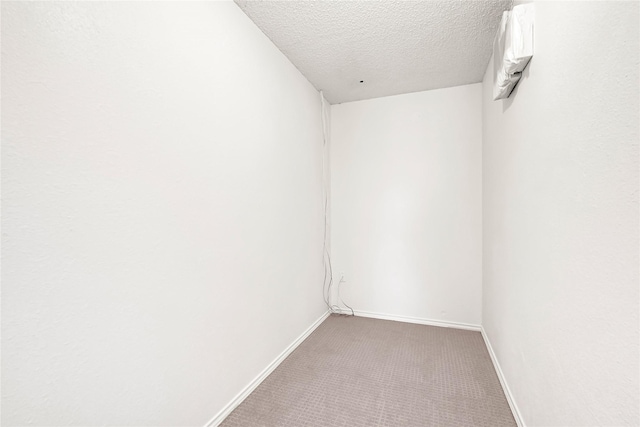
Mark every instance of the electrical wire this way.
pixel 326 255
pixel 341 300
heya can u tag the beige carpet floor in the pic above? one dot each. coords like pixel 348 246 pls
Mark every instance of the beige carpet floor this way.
pixel 356 371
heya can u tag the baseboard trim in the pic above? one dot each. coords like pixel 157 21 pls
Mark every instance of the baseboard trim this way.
pixel 417 320
pixel 503 381
pixel 224 412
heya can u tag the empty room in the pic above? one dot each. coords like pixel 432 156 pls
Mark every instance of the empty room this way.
pixel 320 213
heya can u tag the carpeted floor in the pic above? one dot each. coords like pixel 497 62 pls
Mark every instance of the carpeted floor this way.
pixel 356 371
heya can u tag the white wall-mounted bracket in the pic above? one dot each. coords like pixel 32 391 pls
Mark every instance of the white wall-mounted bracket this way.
pixel 512 49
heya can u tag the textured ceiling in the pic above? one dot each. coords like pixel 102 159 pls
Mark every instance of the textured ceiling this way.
pixel 393 46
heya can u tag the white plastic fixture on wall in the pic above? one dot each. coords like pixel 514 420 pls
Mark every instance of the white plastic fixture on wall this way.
pixel 512 49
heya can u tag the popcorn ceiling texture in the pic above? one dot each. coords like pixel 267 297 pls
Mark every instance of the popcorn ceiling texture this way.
pixel 394 46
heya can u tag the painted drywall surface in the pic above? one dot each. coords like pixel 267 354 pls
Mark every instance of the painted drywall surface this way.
pixel 162 228
pixel 560 210
pixel 406 204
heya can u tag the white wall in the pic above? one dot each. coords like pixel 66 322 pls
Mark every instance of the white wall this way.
pixel 162 228
pixel 560 209
pixel 406 204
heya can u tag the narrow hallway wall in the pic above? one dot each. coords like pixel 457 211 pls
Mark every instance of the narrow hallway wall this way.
pixel 406 204
pixel 560 210
pixel 162 210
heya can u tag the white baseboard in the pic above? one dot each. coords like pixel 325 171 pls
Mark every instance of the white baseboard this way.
pixel 224 412
pixel 237 400
pixel 419 321
pixel 446 324
pixel 503 381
